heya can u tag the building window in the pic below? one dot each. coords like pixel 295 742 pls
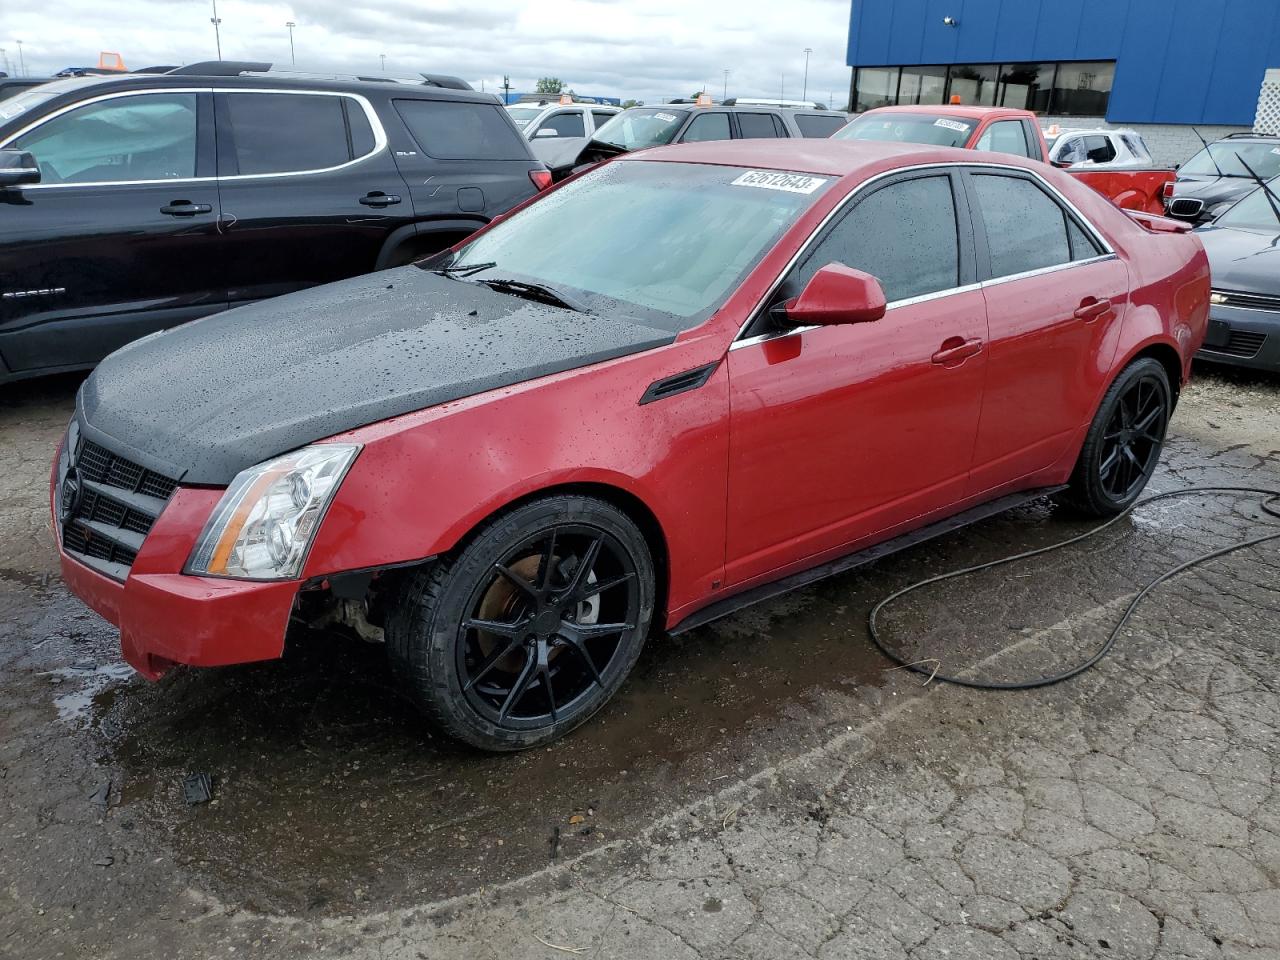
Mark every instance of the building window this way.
pixel 1066 89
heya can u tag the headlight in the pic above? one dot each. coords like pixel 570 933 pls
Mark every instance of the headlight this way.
pixel 265 522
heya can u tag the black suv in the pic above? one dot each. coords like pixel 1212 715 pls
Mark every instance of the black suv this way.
pixel 132 203
pixel 1220 174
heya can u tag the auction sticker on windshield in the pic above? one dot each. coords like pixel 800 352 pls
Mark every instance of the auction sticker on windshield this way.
pixel 955 125
pixel 772 180
pixel 665 117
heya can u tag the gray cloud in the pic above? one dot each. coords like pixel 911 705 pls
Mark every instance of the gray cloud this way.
pixel 647 49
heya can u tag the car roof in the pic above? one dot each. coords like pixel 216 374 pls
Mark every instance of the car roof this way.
pixel 833 158
pixel 955 110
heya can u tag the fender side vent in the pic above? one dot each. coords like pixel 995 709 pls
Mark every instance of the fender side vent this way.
pixel 679 383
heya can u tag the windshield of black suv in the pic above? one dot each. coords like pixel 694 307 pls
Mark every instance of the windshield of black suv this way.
pixel 523 116
pixel 640 127
pixel 1263 157
pixel 661 242
pixel 1255 212
pixel 908 128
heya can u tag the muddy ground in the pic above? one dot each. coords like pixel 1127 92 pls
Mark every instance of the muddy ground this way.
pixel 764 787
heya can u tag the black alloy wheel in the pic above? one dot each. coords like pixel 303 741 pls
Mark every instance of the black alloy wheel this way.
pixel 1122 447
pixel 531 627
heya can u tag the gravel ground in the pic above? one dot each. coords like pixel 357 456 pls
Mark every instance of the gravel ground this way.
pixel 764 787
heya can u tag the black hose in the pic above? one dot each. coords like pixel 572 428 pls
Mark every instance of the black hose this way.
pixel 1270 506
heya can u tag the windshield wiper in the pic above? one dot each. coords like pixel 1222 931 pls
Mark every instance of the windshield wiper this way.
pixel 534 291
pixel 1212 159
pixel 1266 187
pixel 465 270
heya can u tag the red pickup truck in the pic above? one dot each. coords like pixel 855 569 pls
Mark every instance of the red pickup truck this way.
pixel 1002 130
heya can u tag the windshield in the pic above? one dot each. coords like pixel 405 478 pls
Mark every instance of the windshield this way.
pixel 1254 211
pixel 635 129
pixel 523 115
pixel 908 128
pixel 1263 157
pixel 32 98
pixel 662 242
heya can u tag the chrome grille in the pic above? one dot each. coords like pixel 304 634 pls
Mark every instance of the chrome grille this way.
pixel 1249 301
pixel 114 504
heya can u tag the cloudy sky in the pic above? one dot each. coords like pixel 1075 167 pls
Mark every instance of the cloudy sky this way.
pixel 646 49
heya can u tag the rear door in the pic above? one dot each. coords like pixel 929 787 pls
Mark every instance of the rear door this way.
pixel 1054 294
pixel 119 238
pixel 840 432
pixel 309 190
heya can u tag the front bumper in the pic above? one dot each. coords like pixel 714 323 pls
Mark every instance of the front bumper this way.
pixel 167 618
pixel 1243 337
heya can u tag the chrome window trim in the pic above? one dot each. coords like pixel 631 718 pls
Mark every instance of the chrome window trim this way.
pixel 1109 252
pixel 379 135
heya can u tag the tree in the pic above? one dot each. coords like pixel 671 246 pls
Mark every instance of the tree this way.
pixel 549 85
pixel 628 104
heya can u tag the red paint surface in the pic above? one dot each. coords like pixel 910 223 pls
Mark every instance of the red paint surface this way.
pixel 797 449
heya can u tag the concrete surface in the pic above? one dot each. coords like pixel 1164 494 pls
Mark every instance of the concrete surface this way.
pixel 762 788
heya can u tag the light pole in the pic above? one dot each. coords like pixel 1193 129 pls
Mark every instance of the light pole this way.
pixel 4 58
pixel 217 24
pixel 506 89
pixel 22 61
pixel 292 59
pixel 782 88
pixel 805 91
pixel 383 58
pixel 726 85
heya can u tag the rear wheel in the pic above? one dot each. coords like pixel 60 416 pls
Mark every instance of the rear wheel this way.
pixel 530 628
pixel 1123 445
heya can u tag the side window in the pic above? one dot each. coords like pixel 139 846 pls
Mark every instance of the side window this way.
pixel 601 118
pixel 459 130
pixel 707 126
pixel 905 235
pixel 151 137
pixel 1073 151
pixel 1025 228
pixel 1100 149
pixel 756 125
pixel 286 132
pixel 362 141
pixel 567 124
pixel 1006 136
pixel 780 127
pixel 1083 246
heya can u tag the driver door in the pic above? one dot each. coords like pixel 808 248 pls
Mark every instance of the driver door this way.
pixel 839 433
pixel 119 238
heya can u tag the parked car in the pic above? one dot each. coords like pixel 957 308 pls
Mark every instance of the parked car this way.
pixel 1003 130
pixel 1219 175
pixel 556 131
pixel 150 200
pixel 689 122
pixel 1099 149
pixel 680 383
pixel 1243 245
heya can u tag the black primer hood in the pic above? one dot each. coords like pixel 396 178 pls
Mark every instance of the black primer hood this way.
pixel 205 400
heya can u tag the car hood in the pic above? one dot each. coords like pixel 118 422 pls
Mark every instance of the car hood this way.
pixel 203 401
pixel 1213 190
pixel 1244 260
pixel 557 153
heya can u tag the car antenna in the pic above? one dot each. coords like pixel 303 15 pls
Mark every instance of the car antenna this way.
pixel 1266 187
pixel 1210 153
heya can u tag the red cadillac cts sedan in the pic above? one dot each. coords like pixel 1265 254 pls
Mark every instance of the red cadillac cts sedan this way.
pixel 685 380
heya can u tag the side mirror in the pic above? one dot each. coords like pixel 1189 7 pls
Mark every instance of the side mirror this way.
pixel 17 167
pixel 547 132
pixel 837 294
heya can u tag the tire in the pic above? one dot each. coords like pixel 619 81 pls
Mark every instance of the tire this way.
pixel 1124 441
pixel 505 651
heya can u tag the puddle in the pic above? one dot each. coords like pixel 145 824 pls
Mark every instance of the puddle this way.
pixel 90 680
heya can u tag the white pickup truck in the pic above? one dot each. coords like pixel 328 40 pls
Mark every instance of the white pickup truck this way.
pixel 1098 149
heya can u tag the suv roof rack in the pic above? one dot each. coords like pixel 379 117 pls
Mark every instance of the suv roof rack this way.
pixel 220 68
pixel 1250 133
pixel 446 81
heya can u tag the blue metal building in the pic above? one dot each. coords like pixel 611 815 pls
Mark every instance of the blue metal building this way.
pixel 1130 61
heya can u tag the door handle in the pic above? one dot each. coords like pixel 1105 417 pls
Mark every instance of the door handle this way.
pixel 376 198
pixel 185 208
pixel 1091 308
pixel 956 349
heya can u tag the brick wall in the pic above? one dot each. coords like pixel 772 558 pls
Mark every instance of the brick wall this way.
pixel 1169 143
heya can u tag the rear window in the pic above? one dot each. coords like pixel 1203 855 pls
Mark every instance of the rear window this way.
pixel 452 130
pixel 815 126
pixel 909 128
